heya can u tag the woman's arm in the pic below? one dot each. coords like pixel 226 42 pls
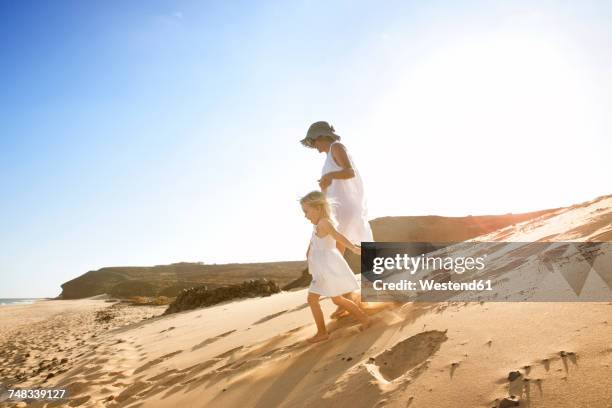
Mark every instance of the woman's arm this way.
pixel 325 227
pixel 338 152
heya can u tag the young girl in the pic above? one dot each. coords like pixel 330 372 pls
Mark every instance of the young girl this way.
pixel 331 275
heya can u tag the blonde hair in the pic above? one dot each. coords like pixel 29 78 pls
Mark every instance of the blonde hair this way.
pixel 318 199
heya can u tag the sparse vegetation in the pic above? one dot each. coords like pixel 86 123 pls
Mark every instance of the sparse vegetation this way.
pixel 204 296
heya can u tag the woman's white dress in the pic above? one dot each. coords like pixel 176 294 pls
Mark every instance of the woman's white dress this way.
pixel 331 275
pixel 348 202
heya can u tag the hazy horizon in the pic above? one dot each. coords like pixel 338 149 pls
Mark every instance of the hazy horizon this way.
pixel 157 132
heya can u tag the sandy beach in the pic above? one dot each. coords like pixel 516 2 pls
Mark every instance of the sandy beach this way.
pixel 252 353
pixel 306 204
pixel 48 338
pixel 426 355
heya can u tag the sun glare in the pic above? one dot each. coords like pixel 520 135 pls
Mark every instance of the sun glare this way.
pixel 497 104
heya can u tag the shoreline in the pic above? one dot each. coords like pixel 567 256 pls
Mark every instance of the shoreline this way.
pixel 20 301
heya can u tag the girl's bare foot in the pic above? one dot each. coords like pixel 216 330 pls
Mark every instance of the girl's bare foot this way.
pixel 318 338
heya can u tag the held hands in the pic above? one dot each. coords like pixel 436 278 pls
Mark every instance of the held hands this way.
pixel 325 182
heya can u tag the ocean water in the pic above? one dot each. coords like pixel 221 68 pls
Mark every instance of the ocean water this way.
pixel 16 301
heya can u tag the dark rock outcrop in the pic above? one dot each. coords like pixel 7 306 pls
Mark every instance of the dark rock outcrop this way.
pixel 300 282
pixel 203 296
pixel 170 280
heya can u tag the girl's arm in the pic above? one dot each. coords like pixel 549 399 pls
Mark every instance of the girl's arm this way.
pixel 325 227
pixel 307 251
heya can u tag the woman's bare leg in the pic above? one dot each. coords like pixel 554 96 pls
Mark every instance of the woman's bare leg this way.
pixel 356 298
pixel 317 314
pixel 353 309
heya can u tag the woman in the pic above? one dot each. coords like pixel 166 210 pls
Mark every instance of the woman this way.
pixel 342 185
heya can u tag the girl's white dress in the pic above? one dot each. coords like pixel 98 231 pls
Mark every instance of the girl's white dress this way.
pixel 347 199
pixel 331 275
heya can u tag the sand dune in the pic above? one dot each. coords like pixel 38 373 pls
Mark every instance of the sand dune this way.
pixel 252 353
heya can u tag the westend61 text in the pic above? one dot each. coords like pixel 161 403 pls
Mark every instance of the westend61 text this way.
pixel 476 285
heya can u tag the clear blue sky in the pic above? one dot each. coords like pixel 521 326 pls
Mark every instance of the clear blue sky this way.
pixel 151 132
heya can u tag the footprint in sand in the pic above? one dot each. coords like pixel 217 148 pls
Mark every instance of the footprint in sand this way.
pixel 546 363
pixel 75 402
pixel 229 352
pixel 168 329
pixel 453 367
pixel 76 387
pixel 296 329
pixel 300 307
pixel 211 340
pixel 516 383
pixel 151 363
pixel 409 353
pixel 132 390
pixel 269 317
pixel 162 375
pixel 117 374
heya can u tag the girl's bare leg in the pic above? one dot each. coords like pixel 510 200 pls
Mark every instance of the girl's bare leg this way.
pixel 353 309
pixel 317 314
pixel 340 311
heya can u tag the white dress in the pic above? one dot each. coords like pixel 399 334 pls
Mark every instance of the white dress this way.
pixel 331 275
pixel 348 202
